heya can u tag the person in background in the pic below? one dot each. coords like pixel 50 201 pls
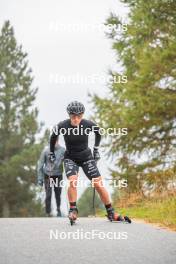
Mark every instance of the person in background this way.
pixel 47 170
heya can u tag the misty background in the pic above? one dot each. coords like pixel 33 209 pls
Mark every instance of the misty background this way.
pixel 65 38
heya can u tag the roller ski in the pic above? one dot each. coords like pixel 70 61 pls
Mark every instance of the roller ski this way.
pixel 114 217
pixel 73 214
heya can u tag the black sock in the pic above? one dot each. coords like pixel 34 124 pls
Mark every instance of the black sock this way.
pixel 72 204
pixel 108 206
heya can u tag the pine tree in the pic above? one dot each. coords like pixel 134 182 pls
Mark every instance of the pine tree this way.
pixel 146 104
pixel 18 128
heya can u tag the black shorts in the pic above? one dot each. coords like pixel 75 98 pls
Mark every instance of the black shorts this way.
pixel 89 167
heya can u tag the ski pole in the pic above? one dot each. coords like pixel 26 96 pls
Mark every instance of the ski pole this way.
pixel 93 200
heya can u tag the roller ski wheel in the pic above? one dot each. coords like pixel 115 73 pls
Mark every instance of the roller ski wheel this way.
pixel 127 219
pixel 73 214
pixel 114 217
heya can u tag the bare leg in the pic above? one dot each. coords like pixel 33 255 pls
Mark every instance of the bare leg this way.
pixel 72 189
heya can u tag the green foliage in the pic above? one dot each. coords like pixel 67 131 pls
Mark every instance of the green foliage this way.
pixel 85 203
pixel 146 104
pixel 18 128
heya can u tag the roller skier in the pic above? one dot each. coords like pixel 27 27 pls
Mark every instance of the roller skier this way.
pixel 78 154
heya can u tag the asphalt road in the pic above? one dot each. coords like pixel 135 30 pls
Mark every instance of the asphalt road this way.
pixel 91 240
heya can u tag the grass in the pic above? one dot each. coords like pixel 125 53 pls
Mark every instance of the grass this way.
pixel 162 211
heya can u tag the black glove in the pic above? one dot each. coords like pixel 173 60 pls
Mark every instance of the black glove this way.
pixel 96 154
pixel 40 182
pixel 52 157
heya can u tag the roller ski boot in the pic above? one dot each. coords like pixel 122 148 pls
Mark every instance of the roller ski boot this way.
pixel 72 215
pixel 114 217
